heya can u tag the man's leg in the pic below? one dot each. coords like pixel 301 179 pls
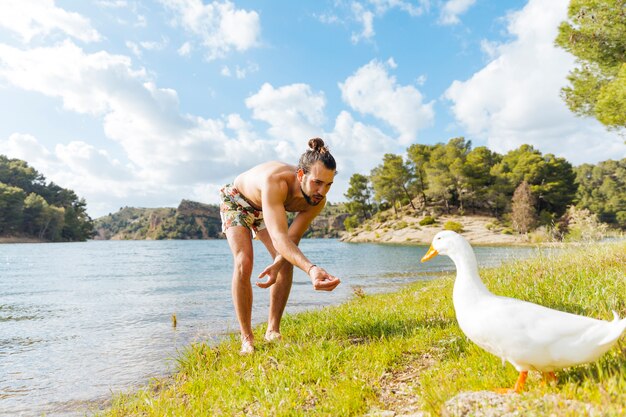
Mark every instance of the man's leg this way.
pixel 240 242
pixel 279 292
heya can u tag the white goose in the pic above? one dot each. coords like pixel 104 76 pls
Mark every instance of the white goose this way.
pixel 529 336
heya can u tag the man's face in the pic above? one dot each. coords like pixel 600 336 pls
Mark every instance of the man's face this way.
pixel 316 184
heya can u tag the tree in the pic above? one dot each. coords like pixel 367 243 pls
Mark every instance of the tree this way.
pixel 418 156
pixel 11 209
pixel 596 34
pixel 77 223
pixel 478 178
pixel 17 173
pixel 42 219
pixel 523 212
pixel 446 179
pixel 391 180
pixel 28 205
pixel 34 214
pixel 359 196
pixel 602 190
pixel 551 179
pixel 557 188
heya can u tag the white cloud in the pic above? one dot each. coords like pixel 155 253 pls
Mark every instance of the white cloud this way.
pixel 219 25
pixel 90 172
pixel 25 147
pixel 239 72
pixel 81 80
pixel 371 90
pixel 452 9
pixel 490 48
pixel 357 146
pixel 134 48
pixel 382 6
pixel 364 13
pixel 293 112
pixel 225 71
pixel 33 18
pixel 141 22
pixel 112 4
pixel 138 48
pixel 185 49
pixel 515 98
pixel 164 147
pixel 364 17
pixel 87 161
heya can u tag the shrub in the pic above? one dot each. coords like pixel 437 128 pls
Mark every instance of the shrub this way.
pixel 491 226
pixel 584 225
pixel 427 220
pixel 400 225
pixel 351 223
pixel 454 226
pixel 620 217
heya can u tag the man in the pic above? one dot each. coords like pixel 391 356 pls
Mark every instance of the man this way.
pixel 256 204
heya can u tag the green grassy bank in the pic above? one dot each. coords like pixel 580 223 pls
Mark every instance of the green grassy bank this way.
pixel 338 361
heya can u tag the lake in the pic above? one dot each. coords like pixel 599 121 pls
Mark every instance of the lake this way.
pixel 80 321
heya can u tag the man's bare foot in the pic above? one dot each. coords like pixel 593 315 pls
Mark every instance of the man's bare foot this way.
pixel 272 336
pixel 247 347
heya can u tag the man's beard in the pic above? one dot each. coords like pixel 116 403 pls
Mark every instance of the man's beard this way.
pixel 308 198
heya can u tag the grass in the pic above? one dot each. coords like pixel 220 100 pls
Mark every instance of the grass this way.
pixel 336 361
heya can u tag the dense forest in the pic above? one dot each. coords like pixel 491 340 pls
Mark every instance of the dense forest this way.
pixel 30 207
pixel 523 186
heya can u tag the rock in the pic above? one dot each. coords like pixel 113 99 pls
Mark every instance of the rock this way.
pixel 490 404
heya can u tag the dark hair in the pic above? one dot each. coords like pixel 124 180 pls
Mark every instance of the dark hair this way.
pixel 317 152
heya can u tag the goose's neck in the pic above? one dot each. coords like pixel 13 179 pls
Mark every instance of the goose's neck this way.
pixel 467 279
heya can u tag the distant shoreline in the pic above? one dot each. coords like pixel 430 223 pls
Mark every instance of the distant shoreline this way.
pixel 16 239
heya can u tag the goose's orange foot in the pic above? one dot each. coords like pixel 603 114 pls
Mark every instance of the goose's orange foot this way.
pixel 519 385
pixel 548 378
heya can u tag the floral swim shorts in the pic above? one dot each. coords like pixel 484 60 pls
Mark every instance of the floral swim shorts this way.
pixel 236 210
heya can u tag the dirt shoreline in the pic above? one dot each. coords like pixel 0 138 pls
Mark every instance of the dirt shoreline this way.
pixel 15 239
pixel 480 230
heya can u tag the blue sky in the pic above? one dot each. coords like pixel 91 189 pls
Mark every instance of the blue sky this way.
pixel 144 103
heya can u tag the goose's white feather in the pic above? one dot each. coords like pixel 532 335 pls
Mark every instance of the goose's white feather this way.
pixel 529 336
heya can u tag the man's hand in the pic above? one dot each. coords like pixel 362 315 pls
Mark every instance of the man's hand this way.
pixel 322 280
pixel 271 272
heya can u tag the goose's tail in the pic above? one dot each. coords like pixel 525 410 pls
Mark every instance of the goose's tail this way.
pixel 617 327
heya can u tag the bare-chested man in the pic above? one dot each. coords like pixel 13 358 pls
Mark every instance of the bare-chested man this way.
pixel 256 204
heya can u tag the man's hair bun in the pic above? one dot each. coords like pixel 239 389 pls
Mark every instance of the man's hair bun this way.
pixel 317 145
pixel 317 152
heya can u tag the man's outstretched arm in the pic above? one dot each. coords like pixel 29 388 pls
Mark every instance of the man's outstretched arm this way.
pixel 285 239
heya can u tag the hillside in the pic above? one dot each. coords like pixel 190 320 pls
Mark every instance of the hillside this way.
pixel 406 228
pixel 193 220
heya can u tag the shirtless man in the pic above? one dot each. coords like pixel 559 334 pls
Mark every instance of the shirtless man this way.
pixel 256 204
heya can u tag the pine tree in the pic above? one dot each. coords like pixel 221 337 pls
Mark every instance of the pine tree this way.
pixel 523 213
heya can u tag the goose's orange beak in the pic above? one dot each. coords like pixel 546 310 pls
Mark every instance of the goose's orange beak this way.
pixel 430 254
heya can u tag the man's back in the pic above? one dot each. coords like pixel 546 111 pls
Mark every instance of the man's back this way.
pixel 251 182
